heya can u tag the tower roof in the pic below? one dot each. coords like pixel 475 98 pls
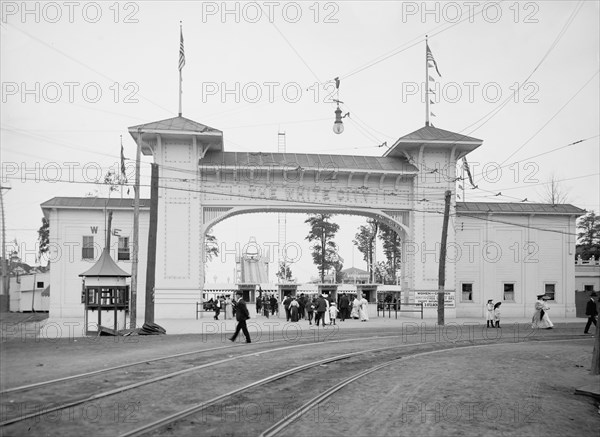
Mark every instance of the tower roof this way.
pixel 176 128
pixel 175 124
pixel 433 137
pixel 106 267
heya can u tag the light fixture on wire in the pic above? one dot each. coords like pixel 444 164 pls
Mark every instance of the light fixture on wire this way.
pixel 338 125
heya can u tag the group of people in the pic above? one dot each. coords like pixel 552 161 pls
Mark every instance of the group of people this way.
pixel 493 314
pixel 324 309
pixel 266 304
pixel 540 319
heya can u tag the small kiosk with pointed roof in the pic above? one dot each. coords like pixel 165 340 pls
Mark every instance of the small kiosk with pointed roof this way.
pixel 105 290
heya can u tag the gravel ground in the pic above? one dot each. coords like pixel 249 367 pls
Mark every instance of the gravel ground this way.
pixel 515 389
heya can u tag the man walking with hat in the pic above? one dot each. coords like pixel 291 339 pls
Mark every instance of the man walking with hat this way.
pixel 591 310
pixel 241 315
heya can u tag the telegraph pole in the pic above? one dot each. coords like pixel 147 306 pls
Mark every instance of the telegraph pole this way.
pixel 151 266
pixel 442 270
pixel 136 231
pixel 4 296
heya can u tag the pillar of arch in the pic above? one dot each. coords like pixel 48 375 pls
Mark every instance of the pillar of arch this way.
pixel 202 184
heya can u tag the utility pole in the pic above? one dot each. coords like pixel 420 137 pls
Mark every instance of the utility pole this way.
pixel 151 266
pixel 136 231
pixel 4 296
pixel 442 270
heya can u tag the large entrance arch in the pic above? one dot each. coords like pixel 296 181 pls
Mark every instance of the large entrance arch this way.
pixel 202 184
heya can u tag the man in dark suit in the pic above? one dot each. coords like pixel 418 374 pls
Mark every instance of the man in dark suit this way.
pixel 344 306
pixel 320 309
pixel 241 315
pixel 591 311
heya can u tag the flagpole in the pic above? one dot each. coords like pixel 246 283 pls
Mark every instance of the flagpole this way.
pixel 426 85
pixel 463 183
pixel 121 178
pixel 180 66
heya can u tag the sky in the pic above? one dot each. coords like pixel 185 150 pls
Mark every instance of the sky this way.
pixel 521 76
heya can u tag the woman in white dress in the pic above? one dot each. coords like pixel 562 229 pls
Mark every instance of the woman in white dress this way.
pixel 540 317
pixel 355 307
pixel 327 318
pixel 363 309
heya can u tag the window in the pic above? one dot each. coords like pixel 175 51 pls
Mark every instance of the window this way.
pixel 87 251
pixel 549 290
pixel 588 288
pixel 509 292
pixel 467 292
pixel 123 254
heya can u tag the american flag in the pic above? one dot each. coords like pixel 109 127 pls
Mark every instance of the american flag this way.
pixel 181 52
pixel 468 171
pixel 123 172
pixel 429 58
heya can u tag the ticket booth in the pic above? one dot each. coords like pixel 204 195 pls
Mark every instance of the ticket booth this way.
pixel 369 290
pixel 330 290
pixel 287 290
pixel 248 292
pixel 105 296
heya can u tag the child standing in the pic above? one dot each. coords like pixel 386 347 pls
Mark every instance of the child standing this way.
pixel 497 314
pixel 490 313
pixel 333 312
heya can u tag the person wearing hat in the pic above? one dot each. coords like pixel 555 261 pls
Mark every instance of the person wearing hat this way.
pixel 320 309
pixel 363 310
pixel 241 315
pixel 540 317
pixel 490 313
pixel 591 310
pixel 497 313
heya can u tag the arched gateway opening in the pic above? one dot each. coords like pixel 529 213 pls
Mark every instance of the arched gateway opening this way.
pixel 201 184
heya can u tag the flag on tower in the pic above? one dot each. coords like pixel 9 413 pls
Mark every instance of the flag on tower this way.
pixel 468 171
pixel 181 52
pixel 429 58
pixel 123 172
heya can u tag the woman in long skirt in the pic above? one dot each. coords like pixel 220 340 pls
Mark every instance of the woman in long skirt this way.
pixel 294 314
pixel 327 318
pixel 363 310
pixel 355 307
pixel 540 317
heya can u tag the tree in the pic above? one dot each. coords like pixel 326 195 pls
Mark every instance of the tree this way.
pixel 588 235
pixel 554 192
pixel 392 248
pixel 381 273
pixel 112 180
pixel 44 238
pixel 365 243
pixel 284 273
pixel 324 249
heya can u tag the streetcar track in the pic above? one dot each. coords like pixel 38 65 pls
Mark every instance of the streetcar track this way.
pixel 144 382
pixel 201 406
pixel 353 336
pixel 315 401
pixel 151 360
